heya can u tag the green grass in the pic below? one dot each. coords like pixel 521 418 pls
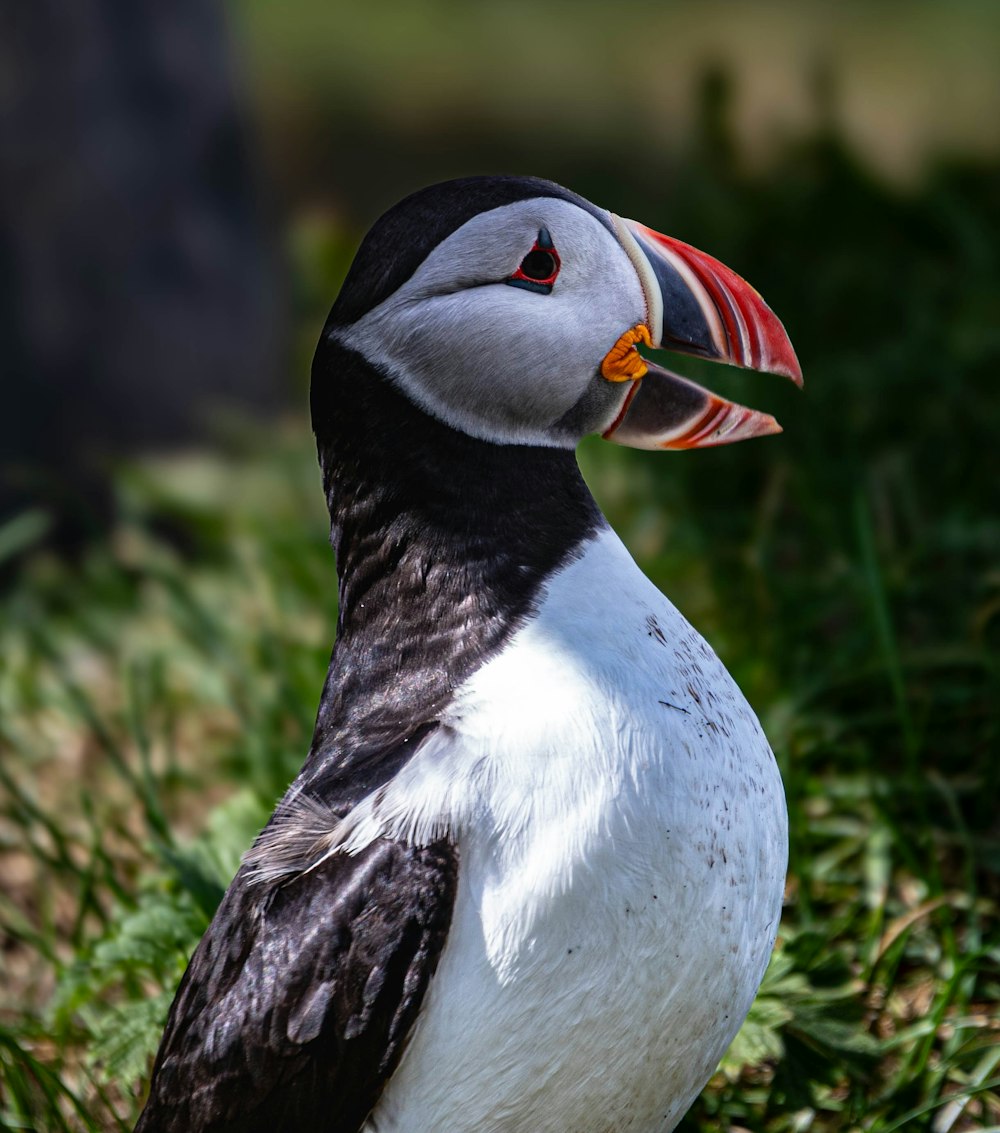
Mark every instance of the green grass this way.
pixel 157 695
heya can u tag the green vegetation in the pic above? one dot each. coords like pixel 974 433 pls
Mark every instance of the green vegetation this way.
pixel 157 696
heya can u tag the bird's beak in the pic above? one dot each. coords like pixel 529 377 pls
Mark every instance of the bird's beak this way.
pixel 695 305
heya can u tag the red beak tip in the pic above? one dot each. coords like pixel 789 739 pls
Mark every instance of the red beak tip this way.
pixel 794 372
pixel 784 367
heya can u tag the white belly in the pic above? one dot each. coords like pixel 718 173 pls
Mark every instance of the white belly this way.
pixel 622 839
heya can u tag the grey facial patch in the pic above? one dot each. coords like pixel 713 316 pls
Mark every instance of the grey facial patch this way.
pixel 594 412
pixel 496 362
pixel 406 234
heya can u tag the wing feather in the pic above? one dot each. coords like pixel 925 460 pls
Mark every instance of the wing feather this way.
pixel 296 1005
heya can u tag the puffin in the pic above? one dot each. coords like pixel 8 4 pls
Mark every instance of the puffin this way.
pixel 530 875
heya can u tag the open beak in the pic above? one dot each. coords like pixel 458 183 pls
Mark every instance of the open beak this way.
pixel 698 306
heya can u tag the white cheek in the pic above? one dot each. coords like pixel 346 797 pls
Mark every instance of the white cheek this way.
pixel 500 362
pixel 525 359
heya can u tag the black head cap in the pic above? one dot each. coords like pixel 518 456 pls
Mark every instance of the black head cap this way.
pixel 402 238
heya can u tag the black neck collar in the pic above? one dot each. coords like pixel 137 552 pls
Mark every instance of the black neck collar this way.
pixel 443 542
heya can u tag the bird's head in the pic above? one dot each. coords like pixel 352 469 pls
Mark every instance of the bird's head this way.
pixel 512 309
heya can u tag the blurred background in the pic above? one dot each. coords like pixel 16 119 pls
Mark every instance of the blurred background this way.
pixel 182 187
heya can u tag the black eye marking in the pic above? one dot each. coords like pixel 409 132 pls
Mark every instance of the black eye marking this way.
pixel 539 268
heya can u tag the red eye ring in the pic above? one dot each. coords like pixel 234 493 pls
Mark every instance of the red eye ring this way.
pixel 539 268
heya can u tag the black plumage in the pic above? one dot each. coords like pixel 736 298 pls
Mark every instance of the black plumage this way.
pixel 296 1004
pixel 442 542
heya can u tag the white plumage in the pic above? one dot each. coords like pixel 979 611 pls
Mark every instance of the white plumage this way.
pixel 621 830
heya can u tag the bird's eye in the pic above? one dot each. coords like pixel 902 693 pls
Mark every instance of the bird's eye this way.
pixel 539 268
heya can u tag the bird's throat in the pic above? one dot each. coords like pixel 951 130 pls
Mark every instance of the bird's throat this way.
pixel 443 542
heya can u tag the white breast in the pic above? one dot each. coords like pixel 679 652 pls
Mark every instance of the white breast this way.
pixel 622 838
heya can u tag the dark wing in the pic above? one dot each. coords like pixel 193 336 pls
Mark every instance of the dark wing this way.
pixel 296 1005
